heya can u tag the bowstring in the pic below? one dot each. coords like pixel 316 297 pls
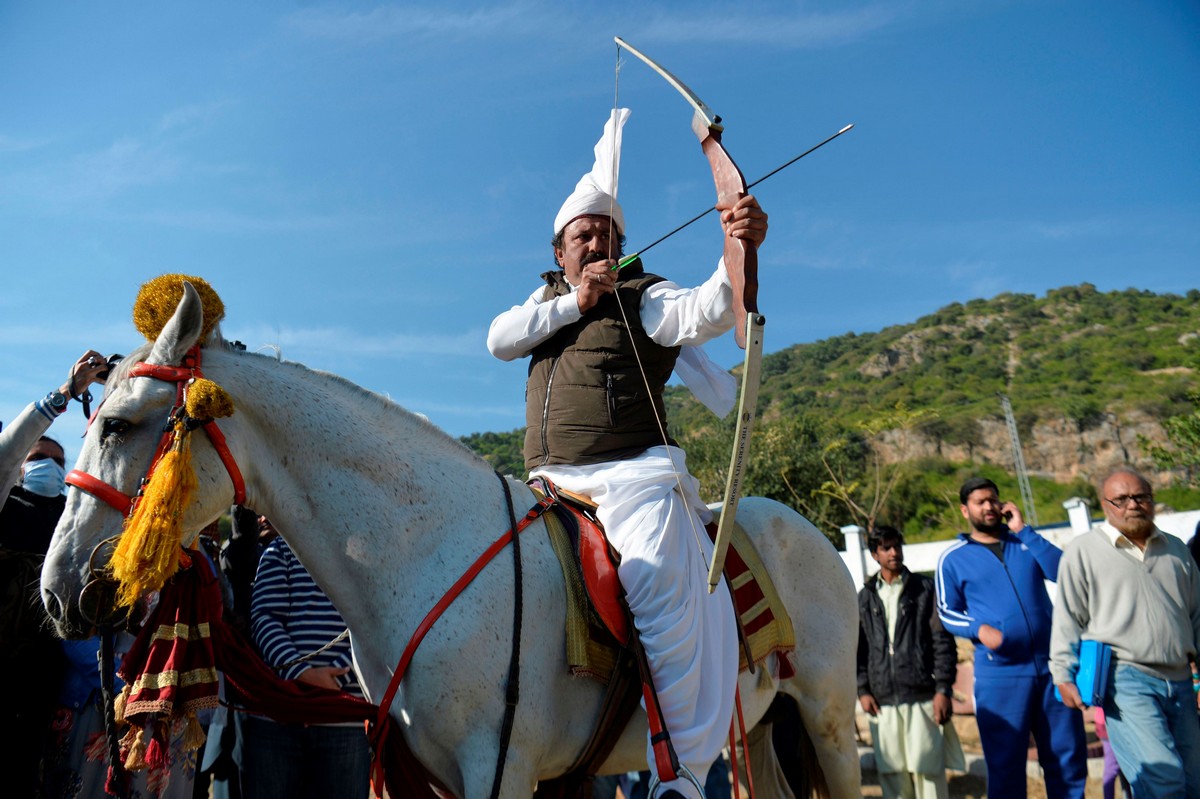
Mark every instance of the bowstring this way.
pixel 658 420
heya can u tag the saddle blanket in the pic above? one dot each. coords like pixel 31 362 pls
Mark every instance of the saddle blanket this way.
pixel 765 623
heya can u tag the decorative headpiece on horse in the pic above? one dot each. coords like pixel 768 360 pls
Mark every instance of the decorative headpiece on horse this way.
pixel 150 548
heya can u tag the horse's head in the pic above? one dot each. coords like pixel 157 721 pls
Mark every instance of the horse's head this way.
pixel 121 443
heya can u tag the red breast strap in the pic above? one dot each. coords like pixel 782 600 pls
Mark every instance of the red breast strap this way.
pixel 381 728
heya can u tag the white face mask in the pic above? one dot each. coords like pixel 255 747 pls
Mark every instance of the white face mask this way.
pixel 43 477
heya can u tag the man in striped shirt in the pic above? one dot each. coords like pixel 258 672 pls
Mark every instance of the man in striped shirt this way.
pixel 292 622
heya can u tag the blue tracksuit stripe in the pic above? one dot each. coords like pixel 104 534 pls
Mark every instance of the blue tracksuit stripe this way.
pixel 953 620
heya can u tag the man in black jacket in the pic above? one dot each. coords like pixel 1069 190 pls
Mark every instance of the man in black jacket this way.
pixel 906 668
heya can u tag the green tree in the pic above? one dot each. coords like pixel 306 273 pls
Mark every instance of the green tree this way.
pixel 786 464
pixel 502 451
pixel 1182 451
pixel 866 496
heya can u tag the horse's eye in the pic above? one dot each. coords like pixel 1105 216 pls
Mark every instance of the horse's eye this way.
pixel 114 427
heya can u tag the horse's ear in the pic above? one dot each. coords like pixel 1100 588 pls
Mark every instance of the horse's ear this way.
pixel 182 332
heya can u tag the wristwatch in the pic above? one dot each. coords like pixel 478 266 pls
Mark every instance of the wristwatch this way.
pixel 57 400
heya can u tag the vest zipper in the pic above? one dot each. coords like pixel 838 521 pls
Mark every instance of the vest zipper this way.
pixel 546 411
pixel 611 396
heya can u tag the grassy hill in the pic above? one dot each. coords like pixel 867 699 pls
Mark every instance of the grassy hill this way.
pixel 1088 372
pixel 1074 353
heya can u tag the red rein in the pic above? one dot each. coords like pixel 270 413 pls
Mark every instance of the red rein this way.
pixel 181 376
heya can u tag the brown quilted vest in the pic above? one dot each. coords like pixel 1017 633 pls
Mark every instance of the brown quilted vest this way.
pixel 585 400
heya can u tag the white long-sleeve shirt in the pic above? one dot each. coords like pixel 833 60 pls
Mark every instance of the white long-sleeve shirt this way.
pixel 18 438
pixel 671 315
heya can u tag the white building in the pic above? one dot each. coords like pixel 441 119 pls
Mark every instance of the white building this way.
pixel 924 557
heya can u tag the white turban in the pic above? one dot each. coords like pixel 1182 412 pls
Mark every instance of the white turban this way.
pixel 596 192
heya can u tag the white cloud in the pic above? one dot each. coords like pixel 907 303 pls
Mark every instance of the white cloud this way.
pixel 93 176
pixel 306 344
pixel 393 22
pixel 57 336
pixel 124 164
pixel 504 412
pixel 11 144
pixel 1074 229
pixel 90 180
pixel 529 21
pixel 226 221
pixel 138 158
pixel 189 118
pixel 792 30
pixel 981 279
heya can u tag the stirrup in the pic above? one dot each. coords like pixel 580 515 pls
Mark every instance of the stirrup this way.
pixel 684 771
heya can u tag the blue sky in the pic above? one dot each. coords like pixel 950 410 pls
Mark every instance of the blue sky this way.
pixel 367 185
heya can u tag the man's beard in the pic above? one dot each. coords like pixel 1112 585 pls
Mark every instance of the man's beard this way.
pixel 995 528
pixel 1138 527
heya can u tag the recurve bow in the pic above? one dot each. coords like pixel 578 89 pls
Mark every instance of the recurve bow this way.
pixel 741 262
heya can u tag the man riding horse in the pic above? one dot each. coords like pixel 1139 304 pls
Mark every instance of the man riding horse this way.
pixel 603 342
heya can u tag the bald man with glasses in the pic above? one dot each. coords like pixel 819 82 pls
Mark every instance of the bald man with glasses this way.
pixel 1128 584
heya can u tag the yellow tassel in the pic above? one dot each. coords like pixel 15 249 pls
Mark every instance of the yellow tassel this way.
pixel 193 734
pixel 119 704
pixel 136 759
pixel 207 400
pixel 148 553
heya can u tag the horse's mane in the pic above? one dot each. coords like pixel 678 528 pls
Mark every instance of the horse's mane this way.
pixel 380 404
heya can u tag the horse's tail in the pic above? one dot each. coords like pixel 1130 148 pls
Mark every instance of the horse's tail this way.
pixel 782 756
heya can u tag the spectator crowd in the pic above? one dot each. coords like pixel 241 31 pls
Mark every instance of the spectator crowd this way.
pixel 1123 623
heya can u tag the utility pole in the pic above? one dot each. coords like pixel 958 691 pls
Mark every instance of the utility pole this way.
pixel 1019 461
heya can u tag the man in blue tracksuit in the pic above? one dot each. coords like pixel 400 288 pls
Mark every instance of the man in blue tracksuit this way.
pixel 991 589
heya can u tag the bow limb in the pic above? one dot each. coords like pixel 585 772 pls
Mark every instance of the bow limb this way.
pixel 741 263
pixel 741 257
pixel 747 413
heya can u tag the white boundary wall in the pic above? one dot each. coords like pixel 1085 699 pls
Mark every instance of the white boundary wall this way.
pixel 924 557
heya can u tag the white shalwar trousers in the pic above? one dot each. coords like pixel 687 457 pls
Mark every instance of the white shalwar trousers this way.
pixel 689 635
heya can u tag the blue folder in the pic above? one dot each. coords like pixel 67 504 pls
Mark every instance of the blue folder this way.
pixel 1092 677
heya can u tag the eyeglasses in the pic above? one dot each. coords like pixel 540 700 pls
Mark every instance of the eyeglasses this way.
pixel 1124 500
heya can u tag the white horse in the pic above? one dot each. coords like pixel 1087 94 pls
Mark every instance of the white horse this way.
pixel 386 511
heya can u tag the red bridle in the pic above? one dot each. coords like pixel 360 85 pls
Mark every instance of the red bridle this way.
pixel 181 376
